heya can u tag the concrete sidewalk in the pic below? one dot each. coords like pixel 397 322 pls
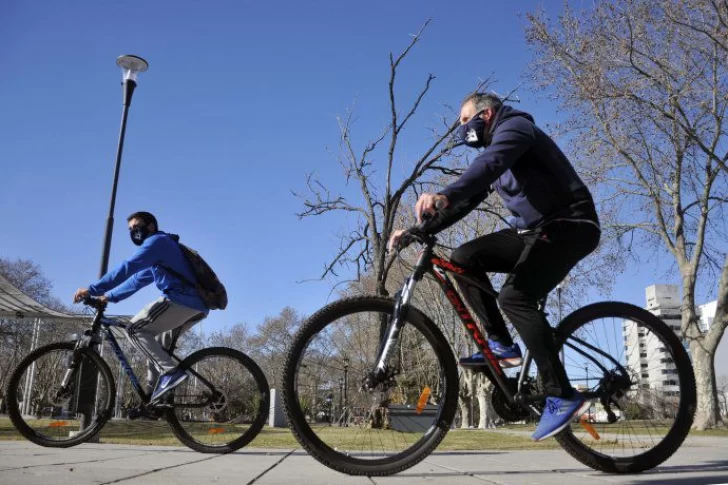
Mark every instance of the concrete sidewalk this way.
pixel 23 463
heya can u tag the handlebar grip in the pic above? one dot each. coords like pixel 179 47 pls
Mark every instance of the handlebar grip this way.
pixel 94 302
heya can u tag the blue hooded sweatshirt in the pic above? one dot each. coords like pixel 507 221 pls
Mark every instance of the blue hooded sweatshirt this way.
pixel 146 266
pixel 531 174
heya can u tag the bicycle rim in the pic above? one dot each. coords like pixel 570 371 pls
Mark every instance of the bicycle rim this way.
pixel 377 432
pixel 642 371
pixel 224 406
pixel 50 416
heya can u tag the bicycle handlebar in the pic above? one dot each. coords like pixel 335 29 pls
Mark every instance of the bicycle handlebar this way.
pixel 94 302
pixel 416 233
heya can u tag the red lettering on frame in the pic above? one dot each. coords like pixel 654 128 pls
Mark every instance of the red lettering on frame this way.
pixel 473 328
pixel 447 265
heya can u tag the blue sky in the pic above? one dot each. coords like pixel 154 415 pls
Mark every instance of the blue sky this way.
pixel 240 101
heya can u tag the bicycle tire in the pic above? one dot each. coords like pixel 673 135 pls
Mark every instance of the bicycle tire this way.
pixel 687 404
pixel 345 462
pixel 260 396
pixel 14 395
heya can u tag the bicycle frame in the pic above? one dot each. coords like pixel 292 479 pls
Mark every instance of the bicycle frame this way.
pixel 430 263
pixel 92 339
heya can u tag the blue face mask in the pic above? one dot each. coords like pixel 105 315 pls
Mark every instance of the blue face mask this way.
pixel 473 132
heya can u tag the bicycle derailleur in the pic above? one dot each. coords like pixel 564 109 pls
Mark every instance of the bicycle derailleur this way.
pixel 612 388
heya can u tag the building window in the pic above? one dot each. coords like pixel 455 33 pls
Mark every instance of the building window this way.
pixel 644 366
pixel 643 355
pixel 670 382
pixel 669 371
pixel 645 375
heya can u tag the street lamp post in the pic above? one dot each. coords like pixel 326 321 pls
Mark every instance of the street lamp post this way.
pixel 130 66
pixel 346 388
pixel 586 370
pixel 341 398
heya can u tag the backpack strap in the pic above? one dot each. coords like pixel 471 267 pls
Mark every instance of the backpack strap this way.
pixel 179 275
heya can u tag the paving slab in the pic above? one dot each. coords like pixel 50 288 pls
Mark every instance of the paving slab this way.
pixel 23 463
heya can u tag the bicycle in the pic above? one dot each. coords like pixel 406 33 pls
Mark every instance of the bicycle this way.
pixel 407 378
pixel 219 409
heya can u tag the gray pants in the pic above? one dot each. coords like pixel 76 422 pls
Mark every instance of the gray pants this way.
pixel 155 328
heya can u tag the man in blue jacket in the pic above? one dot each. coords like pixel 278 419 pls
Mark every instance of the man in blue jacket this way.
pixel 554 225
pixel 158 259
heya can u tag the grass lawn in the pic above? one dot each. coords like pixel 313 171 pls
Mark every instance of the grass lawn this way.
pixel 158 433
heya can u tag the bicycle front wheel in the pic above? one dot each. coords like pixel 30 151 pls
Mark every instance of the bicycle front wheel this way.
pixel 48 414
pixel 641 372
pixel 223 405
pixel 356 430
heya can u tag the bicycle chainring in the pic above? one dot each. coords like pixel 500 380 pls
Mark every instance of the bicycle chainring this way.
pixel 508 411
pixel 218 402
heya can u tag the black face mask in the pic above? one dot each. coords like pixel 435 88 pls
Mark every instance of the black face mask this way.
pixel 473 132
pixel 139 234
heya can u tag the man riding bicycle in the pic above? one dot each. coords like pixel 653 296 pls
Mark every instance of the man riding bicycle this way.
pixel 554 226
pixel 159 259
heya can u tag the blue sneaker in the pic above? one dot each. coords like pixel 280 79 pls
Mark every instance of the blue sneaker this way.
pixel 167 382
pixel 507 356
pixel 558 414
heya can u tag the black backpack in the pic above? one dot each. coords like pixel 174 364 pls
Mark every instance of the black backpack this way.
pixel 211 290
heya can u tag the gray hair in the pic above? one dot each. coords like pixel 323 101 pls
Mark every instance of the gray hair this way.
pixel 483 101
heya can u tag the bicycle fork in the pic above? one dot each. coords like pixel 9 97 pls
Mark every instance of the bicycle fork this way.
pixel 391 334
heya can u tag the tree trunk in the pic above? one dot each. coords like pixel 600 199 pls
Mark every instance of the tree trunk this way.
pixel 707 414
pixel 466 398
pixel 485 414
pixel 464 403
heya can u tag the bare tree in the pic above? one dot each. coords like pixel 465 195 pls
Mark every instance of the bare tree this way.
pixel 644 85
pixel 28 277
pixel 723 394
pixel 365 247
pixel 269 343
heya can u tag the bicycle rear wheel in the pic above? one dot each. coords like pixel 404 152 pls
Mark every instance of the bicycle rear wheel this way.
pixel 224 406
pixel 369 432
pixel 639 367
pixel 48 415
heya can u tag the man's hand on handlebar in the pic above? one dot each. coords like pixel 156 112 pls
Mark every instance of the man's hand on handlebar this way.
pixel 429 204
pixel 426 208
pixel 83 294
pixel 395 239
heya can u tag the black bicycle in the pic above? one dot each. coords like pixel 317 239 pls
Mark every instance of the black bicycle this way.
pixel 404 396
pixel 62 394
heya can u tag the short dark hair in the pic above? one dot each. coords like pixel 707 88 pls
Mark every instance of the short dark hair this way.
pixel 147 217
pixel 483 100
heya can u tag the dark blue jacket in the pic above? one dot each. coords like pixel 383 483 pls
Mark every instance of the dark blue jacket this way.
pixel 532 175
pixel 146 266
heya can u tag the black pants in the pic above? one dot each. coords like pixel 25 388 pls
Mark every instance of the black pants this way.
pixel 537 261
